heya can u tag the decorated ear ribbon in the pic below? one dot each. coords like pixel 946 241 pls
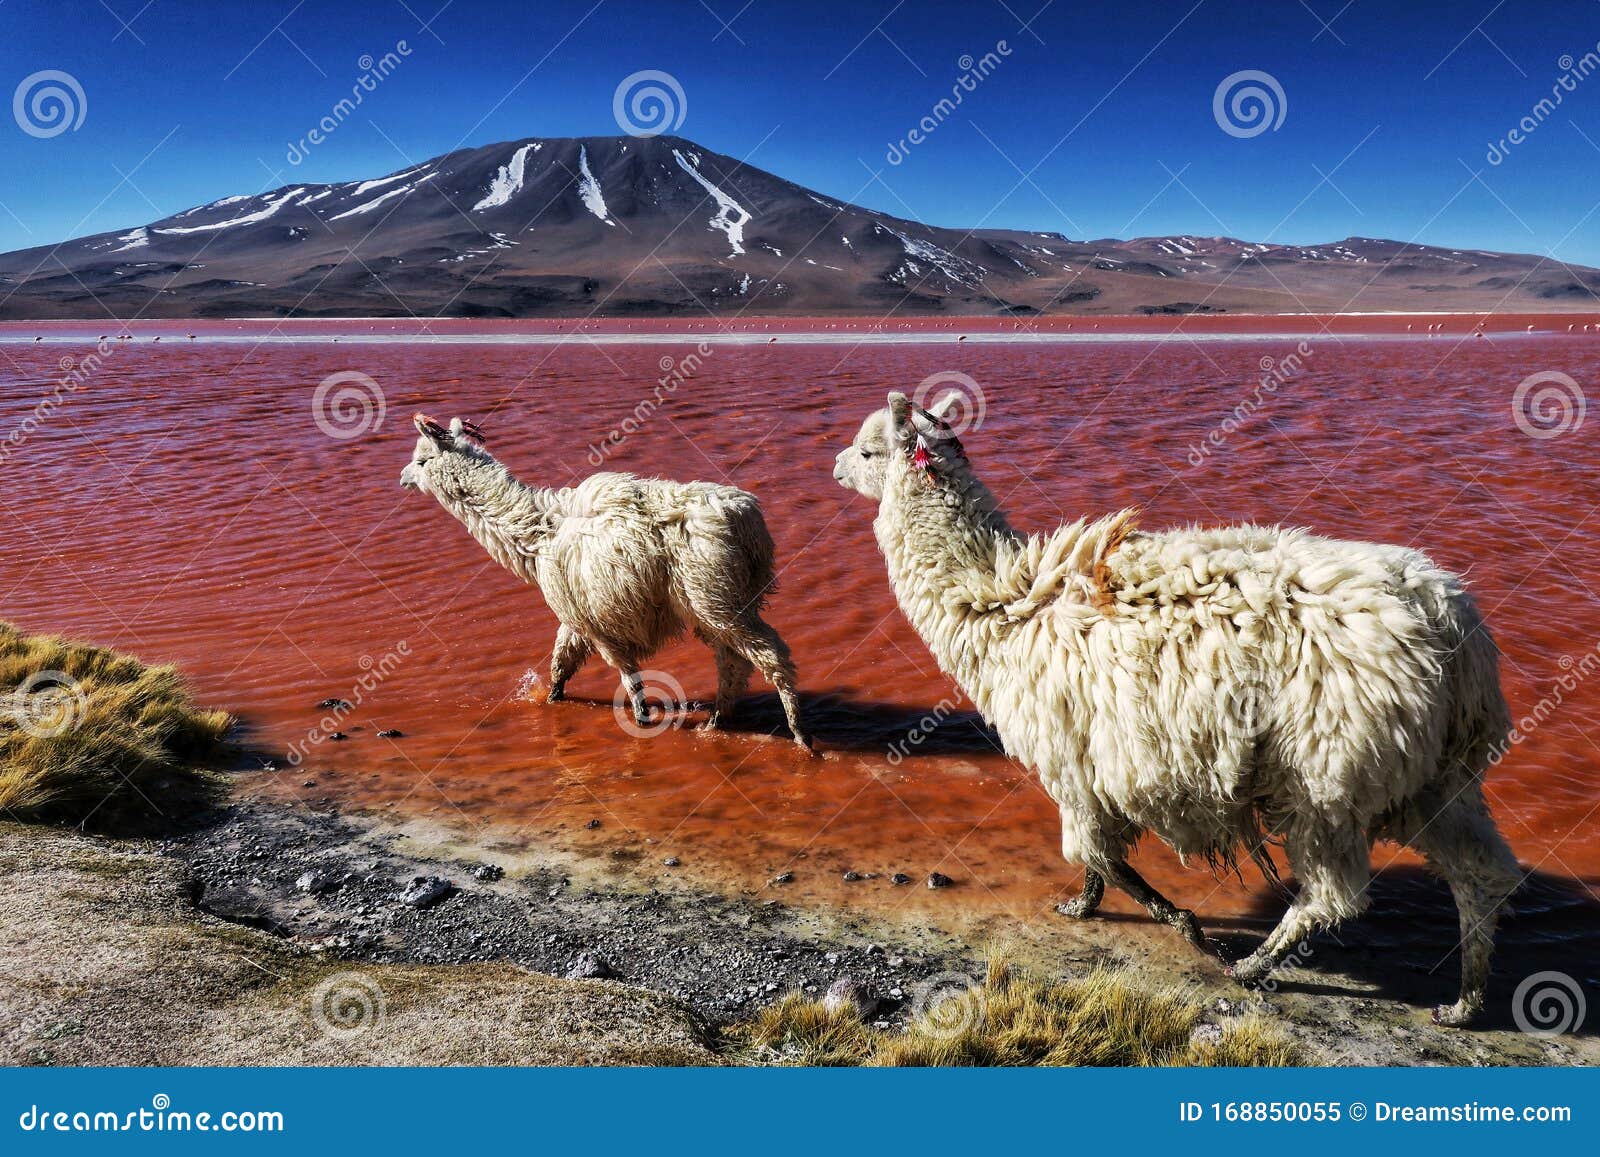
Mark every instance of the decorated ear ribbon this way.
pixel 919 457
pixel 473 431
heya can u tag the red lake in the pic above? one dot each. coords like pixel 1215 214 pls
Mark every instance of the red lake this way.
pixel 182 500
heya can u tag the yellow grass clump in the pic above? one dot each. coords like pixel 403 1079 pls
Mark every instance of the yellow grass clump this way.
pixel 1106 1018
pixel 89 734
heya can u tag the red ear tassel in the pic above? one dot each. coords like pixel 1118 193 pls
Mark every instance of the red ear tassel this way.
pixel 474 431
pixel 920 457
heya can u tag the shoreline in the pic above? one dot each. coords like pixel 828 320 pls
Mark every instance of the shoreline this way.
pixel 820 330
pixel 323 890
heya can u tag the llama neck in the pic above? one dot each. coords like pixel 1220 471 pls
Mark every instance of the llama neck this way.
pixel 943 539
pixel 510 520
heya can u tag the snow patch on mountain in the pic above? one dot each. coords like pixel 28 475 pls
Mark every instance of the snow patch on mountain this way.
pixel 507 183
pixel 369 206
pixel 957 269
pixel 248 219
pixel 134 239
pixel 731 217
pixel 368 186
pixel 589 189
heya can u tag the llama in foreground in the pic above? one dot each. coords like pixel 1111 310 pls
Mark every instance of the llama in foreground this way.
pixel 1212 686
pixel 625 563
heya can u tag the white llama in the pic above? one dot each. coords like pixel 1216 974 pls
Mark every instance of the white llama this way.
pixel 1214 687
pixel 625 563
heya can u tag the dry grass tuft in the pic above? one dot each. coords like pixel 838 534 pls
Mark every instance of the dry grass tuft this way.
pixel 1011 1018
pixel 88 734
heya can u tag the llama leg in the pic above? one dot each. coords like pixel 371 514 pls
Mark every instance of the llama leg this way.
pixel 1086 902
pixel 1162 910
pixel 733 676
pixel 766 650
pixel 635 689
pixel 570 651
pixel 1463 845
pixel 1333 868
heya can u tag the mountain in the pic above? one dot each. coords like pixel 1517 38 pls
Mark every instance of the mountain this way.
pixel 622 226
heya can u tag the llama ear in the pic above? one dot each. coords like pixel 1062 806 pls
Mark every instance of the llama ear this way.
pixel 941 409
pixel 900 428
pixel 431 430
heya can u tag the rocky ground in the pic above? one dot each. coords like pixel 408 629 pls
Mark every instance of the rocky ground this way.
pixel 285 933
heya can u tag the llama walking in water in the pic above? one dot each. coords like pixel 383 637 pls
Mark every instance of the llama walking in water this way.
pixel 1214 687
pixel 625 563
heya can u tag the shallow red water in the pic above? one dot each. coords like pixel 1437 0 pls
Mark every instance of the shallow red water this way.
pixel 184 504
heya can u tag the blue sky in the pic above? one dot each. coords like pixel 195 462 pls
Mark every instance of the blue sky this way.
pixel 1098 121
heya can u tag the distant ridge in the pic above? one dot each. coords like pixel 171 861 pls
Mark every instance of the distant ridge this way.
pixel 622 226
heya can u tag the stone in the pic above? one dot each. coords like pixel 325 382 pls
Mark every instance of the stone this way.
pixel 849 993
pixel 939 880
pixel 391 733
pixel 590 966
pixel 1206 1034
pixel 426 891
pixel 899 878
pixel 488 873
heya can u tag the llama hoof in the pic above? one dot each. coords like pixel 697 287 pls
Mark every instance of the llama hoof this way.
pixel 712 724
pixel 1077 909
pixel 804 744
pixel 556 695
pixel 1249 971
pixel 1457 1015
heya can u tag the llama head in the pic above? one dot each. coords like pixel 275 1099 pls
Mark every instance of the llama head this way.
pixel 900 433
pixel 439 450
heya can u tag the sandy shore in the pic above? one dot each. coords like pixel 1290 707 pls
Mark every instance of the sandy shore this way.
pixel 281 933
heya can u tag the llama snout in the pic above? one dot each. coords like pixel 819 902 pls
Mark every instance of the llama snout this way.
pixel 409 479
pixel 840 474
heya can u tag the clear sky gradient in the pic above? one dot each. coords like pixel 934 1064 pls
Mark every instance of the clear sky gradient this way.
pixel 1098 122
